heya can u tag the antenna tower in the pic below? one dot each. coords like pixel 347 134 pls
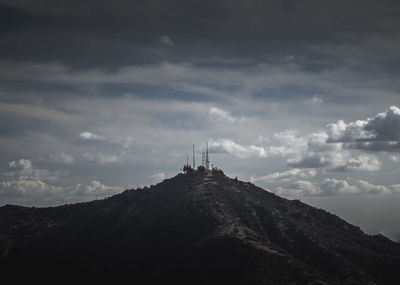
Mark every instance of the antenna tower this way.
pixel 194 163
pixel 207 160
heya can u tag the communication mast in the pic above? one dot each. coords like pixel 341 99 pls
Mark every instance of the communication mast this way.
pixel 194 163
pixel 207 160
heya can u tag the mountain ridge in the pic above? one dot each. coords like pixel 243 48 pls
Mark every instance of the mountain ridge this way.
pixel 202 227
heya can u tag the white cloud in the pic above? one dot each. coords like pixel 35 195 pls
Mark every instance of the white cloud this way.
pixel 238 150
pixel 287 143
pixel 97 188
pixel 91 136
pixel 369 188
pixel 166 40
pixel 38 192
pixel 158 177
pixel 315 151
pixel 354 131
pixel 22 163
pixel 299 188
pixel 339 147
pixel 361 162
pixel 285 176
pixel 384 126
pixel 334 187
pixel 217 114
pixel 28 187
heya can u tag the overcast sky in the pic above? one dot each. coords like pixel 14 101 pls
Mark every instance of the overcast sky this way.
pixel 299 97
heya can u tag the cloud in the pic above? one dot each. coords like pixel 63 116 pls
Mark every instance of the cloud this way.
pixel 25 180
pixel 334 187
pixel 395 188
pixel 25 168
pixel 158 177
pixel 22 163
pixel 237 150
pixel 324 149
pixel 370 188
pixel 217 114
pixel 316 151
pixel 28 187
pixel 310 151
pixel 285 176
pixel 166 40
pixel 315 100
pixel 97 188
pixel 39 192
pixel 339 147
pixel 341 161
pixel 91 136
pixel 99 158
pixel 299 188
pixel 383 127
pixel 386 125
pixel 376 146
pixel 361 162
pixel 208 81
pixel 312 160
pixel 62 158
pixel 287 143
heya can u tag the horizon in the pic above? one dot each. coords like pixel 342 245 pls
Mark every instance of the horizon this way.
pixel 301 99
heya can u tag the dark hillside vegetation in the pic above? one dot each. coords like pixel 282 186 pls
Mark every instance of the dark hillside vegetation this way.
pixel 198 228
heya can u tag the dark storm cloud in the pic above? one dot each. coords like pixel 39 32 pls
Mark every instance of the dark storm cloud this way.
pixel 101 33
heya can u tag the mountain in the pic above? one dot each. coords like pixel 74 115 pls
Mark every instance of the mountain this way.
pixel 201 227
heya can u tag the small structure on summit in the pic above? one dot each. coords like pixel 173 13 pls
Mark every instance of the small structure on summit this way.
pixel 205 161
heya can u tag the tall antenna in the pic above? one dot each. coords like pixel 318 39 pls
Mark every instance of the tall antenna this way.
pixel 194 162
pixel 187 160
pixel 207 160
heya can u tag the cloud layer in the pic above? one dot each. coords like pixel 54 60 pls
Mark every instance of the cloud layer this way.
pixel 333 187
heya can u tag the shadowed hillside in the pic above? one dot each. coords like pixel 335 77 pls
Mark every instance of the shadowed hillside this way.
pixel 201 227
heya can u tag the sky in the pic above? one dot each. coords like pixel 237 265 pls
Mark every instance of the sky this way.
pixel 298 97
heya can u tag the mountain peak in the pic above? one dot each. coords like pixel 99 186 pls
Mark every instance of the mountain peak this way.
pixel 200 227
